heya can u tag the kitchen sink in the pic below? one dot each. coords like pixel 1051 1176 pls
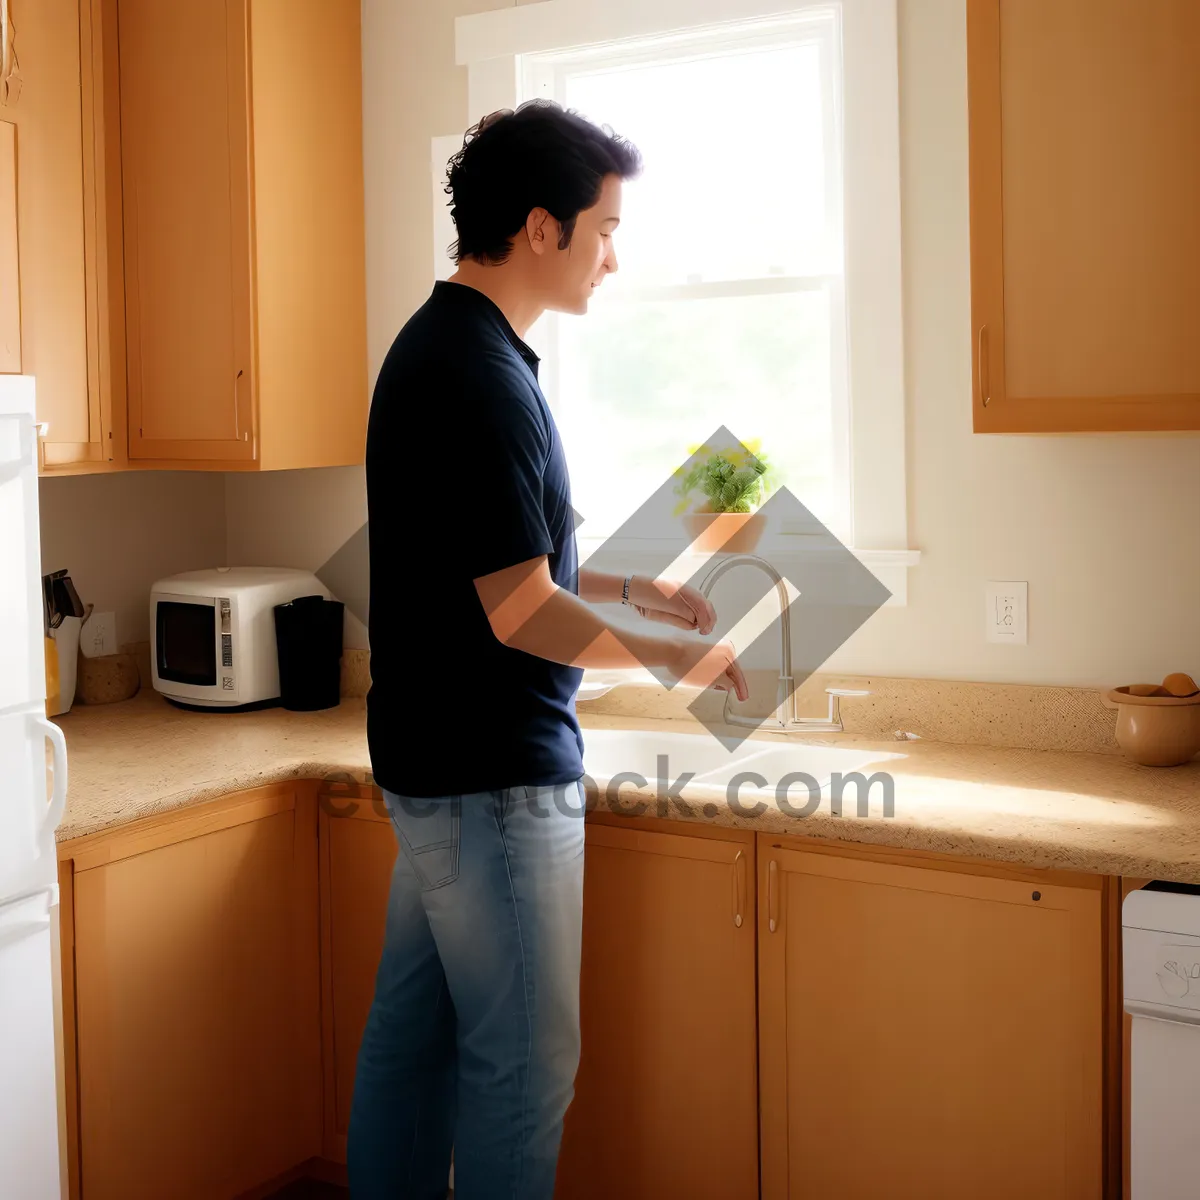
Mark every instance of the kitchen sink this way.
pixel 609 752
pixel 714 761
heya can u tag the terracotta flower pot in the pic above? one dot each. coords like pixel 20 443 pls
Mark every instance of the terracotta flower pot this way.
pixel 729 533
pixel 1156 731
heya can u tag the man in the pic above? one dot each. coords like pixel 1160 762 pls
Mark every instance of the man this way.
pixel 481 624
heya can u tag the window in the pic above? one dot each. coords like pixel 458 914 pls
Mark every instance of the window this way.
pixel 728 307
pixel 762 292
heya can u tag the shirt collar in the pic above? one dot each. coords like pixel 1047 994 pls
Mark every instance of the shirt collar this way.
pixel 463 293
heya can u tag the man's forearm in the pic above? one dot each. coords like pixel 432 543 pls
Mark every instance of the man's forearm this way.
pixel 607 587
pixel 600 587
pixel 566 629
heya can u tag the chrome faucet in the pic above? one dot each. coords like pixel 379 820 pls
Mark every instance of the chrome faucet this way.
pixel 786 715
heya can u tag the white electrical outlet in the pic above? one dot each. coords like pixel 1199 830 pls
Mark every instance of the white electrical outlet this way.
pixel 99 635
pixel 1007 615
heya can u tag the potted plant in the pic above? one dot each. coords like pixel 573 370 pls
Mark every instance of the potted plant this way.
pixel 720 492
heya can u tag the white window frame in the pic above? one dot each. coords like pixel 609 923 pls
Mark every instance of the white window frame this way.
pixel 544 75
pixel 493 45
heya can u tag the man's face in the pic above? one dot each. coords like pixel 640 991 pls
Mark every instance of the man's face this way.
pixel 572 274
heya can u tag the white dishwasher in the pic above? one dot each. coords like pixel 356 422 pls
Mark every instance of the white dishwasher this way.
pixel 1161 945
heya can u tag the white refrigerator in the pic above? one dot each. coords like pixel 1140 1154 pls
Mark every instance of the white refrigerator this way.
pixel 33 788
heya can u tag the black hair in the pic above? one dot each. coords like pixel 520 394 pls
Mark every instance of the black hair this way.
pixel 540 156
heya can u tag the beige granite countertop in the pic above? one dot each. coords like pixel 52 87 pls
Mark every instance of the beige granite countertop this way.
pixel 144 757
pixel 1040 808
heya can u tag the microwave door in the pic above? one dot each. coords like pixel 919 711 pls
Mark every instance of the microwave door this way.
pixel 186 642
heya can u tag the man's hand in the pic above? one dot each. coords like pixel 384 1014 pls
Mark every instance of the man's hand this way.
pixel 706 664
pixel 677 604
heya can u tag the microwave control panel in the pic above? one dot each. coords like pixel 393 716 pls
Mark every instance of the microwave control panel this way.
pixel 226 642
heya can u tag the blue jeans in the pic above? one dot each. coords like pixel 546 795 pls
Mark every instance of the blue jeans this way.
pixel 473 1038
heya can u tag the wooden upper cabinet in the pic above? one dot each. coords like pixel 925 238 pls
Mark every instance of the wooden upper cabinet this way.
pixel 926 1031
pixel 51 103
pixel 1085 185
pixel 241 152
pixel 184 115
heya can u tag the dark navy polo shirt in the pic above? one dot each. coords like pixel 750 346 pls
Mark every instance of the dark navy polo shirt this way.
pixel 465 476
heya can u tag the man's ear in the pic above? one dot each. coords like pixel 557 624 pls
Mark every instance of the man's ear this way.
pixel 538 227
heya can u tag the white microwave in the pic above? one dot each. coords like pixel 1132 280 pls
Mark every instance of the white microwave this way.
pixel 212 634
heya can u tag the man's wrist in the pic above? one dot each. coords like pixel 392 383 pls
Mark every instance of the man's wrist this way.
pixel 601 587
pixel 640 592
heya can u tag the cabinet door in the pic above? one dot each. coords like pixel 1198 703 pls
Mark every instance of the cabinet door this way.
pixel 198 1010
pixel 185 164
pixel 666 1094
pixel 358 853
pixel 926 1032
pixel 1085 184
pixel 56 209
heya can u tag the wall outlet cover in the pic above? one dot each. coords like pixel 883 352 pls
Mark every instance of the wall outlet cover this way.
pixel 98 636
pixel 1006 620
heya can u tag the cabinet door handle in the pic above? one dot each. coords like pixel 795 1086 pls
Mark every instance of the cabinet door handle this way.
pixel 739 887
pixel 237 433
pixel 772 896
pixel 984 380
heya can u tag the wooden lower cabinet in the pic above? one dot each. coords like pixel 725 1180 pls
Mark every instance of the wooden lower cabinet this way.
pixel 666 1096
pixel 819 1020
pixel 926 1031
pixel 197 1001
pixel 358 852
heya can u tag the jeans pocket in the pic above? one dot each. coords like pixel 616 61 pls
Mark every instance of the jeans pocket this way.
pixel 429 832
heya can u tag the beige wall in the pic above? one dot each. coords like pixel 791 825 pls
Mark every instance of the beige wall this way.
pixel 118 533
pixel 1105 530
pixel 295 519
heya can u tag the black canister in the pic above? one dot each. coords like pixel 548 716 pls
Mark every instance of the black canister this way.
pixel 308 638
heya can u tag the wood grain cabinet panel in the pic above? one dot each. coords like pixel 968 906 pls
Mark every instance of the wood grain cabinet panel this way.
pixel 197 1005
pixel 60 177
pixel 245 272
pixel 928 1032
pixel 1085 184
pixel 666 1095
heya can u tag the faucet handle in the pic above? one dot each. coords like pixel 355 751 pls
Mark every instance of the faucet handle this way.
pixel 847 692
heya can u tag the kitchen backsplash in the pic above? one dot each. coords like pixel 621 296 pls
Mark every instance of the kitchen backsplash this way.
pixel 983 714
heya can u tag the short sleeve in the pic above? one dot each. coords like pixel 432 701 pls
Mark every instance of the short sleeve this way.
pixel 503 451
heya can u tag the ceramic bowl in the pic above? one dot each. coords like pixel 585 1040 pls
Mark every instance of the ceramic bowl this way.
pixel 1156 731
